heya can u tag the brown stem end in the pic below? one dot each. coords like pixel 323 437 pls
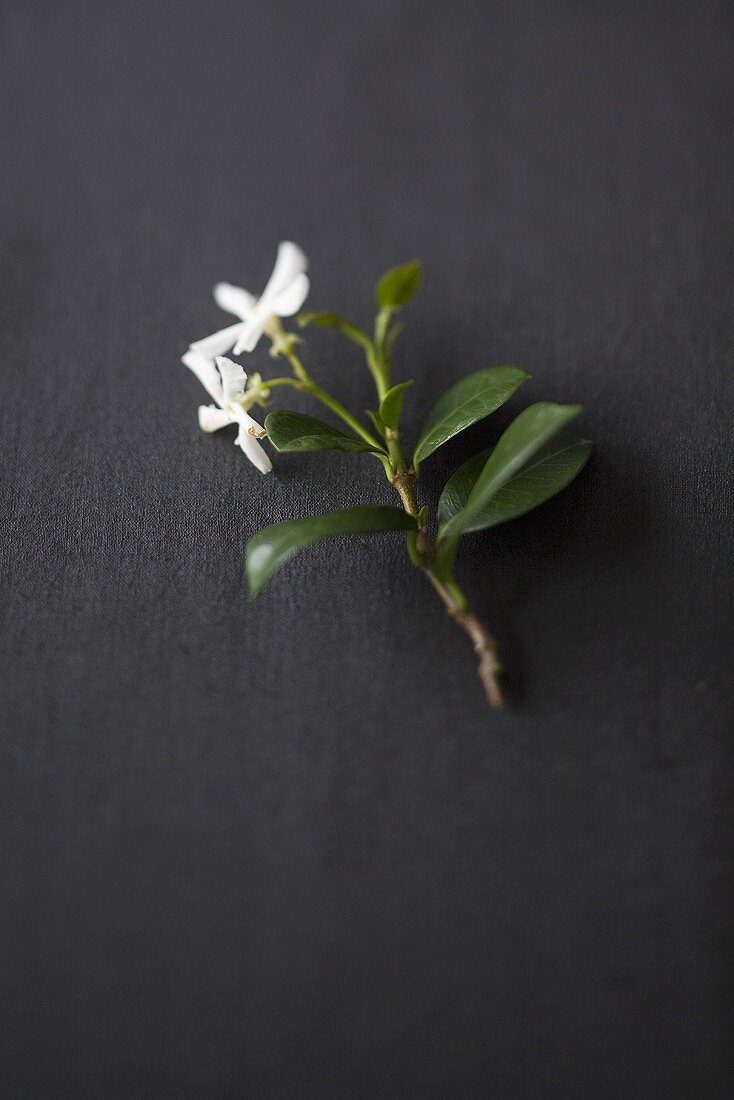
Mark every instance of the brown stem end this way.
pixel 485 648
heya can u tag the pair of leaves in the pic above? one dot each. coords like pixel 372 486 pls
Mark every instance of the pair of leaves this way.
pixel 547 473
pixel 470 400
pixel 467 402
pixel 531 463
pixel 274 545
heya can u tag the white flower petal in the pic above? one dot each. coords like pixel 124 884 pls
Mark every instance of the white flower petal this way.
pixel 290 262
pixel 211 418
pixel 251 332
pixel 205 371
pixel 233 299
pixel 234 378
pixel 248 442
pixel 219 342
pixel 290 300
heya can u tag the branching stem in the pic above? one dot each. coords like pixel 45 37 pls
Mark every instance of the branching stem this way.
pixel 304 382
pixel 403 480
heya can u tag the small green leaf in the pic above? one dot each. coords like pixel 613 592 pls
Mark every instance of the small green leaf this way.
pixel 550 471
pixel 274 545
pixel 335 320
pixel 375 418
pixel 291 431
pixel 526 435
pixel 391 406
pixel 413 553
pixel 470 400
pixel 398 286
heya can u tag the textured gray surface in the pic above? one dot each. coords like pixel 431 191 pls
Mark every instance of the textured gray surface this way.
pixel 283 850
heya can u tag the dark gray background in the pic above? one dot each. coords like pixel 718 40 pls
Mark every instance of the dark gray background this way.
pixel 283 850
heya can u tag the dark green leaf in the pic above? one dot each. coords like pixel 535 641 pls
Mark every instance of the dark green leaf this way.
pixel 335 320
pixel 550 471
pixel 526 435
pixel 397 286
pixel 465 403
pixel 455 492
pixel 274 545
pixel 291 431
pixel 391 406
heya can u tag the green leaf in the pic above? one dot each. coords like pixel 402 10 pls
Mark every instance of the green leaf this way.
pixel 470 400
pixel 550 471
pixel 292 431
pixel 399 285
pixel 335 320
pixel 274 545
pixel 391 406
pixel 375 418
pixel 526 435
pixel 413 552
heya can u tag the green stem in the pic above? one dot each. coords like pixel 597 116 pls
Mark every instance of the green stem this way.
pixel 298 385
pixel 395 450
pixel 338 409
pixel 382 323
pixel 377 370
pixel 303 381
pixel 284 344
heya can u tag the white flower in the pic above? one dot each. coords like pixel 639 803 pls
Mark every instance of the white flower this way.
pixel 283 296
pixel 225 382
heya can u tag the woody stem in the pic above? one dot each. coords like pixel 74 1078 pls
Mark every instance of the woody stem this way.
pixel 451 595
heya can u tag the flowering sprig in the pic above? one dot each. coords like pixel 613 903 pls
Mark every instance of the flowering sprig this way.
pixel 535 458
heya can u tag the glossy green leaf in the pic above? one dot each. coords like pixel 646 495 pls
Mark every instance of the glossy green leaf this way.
pixel 391 406
pixel 547 473
pixel 291 431
pixel 397 286
pixel 525 437
pixel 335 320
pixel 274 545
pixel 470 400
